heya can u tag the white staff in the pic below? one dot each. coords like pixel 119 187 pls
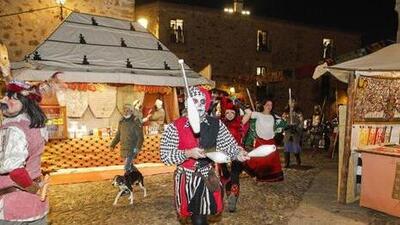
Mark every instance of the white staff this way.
pixel 193 114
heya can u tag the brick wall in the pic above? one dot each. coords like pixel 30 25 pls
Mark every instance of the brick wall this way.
pixel 24 24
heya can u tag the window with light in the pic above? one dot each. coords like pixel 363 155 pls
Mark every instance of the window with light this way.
pixel 176 27
pixel 327 46
pixel 261 70
pixel 262 40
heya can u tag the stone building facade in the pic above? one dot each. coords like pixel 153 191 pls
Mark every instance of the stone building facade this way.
pixel 397 9
pixel 24 24
pixel 230 43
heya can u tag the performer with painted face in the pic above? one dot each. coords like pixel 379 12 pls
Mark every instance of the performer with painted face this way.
pixel 198 191
pixel 22 138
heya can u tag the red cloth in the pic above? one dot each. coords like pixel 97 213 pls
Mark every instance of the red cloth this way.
pixel 31 92
pixel 235 128
pixel 187 140
pixel 208 97
pixel 265 169
pixel 226 104
pixel 21 177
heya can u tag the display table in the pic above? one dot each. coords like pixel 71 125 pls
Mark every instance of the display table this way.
pixel 380 185
pixel 93 151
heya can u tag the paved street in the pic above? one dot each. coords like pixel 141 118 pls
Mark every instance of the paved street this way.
pixel 306 197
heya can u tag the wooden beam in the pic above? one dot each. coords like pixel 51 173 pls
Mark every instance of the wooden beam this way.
pixel 347 141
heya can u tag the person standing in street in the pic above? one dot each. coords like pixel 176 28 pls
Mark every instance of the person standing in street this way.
pixel 293 132
pixel 129 135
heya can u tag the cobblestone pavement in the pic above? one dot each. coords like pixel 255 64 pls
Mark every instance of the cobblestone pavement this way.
pixel 259 203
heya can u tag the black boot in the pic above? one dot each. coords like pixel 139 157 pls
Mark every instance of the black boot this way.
pixel 298 160
pixel 232 200
pixel 199 220
pixel 287 159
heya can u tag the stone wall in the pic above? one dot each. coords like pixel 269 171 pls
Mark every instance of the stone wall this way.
pixel 228 42
pixel 150 13
pixel 397 8
pixel 24 24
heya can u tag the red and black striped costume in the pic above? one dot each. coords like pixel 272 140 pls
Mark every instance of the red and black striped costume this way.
pixel 192 196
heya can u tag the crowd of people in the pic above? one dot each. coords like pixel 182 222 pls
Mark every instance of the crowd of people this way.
pixel 199 183
pixel 227 126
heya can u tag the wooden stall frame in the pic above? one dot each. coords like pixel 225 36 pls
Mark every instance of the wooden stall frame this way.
pixel 347 144
pixel 63 113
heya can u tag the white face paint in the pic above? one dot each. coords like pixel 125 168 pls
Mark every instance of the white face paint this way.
pixel 200 102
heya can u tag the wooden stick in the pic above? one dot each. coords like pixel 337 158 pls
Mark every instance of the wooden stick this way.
pixel 251 100
pixel 290 107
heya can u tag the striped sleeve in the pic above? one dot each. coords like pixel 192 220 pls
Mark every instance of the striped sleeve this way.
pixel 225 142
pixel 169 152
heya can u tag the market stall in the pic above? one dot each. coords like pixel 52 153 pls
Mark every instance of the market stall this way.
pixel 372 130
pixel 105 63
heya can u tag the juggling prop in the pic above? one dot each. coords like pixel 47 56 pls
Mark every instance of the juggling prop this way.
pixel 218 157
pixel 262 151
pixel 193 114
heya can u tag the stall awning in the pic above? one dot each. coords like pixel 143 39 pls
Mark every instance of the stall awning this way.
pixel 384 62
pixel 88 48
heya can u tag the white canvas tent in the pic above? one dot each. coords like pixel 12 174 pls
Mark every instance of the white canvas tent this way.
pixel 116 51
pixel 384 62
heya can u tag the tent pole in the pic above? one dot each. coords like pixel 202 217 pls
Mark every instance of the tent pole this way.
pixel 347 141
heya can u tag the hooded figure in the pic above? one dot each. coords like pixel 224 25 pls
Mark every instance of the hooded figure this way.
pixel 198 191
pixel 20 174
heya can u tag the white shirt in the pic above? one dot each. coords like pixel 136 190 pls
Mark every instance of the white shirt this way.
pixel 13 146
pixel 264 125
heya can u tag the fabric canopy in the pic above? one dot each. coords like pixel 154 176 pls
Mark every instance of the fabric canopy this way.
pixel 384 62
pixel 88 48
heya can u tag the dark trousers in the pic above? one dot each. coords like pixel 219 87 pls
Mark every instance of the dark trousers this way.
pixel 236 170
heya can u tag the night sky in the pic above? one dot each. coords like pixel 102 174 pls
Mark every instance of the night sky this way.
pixel 375 19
